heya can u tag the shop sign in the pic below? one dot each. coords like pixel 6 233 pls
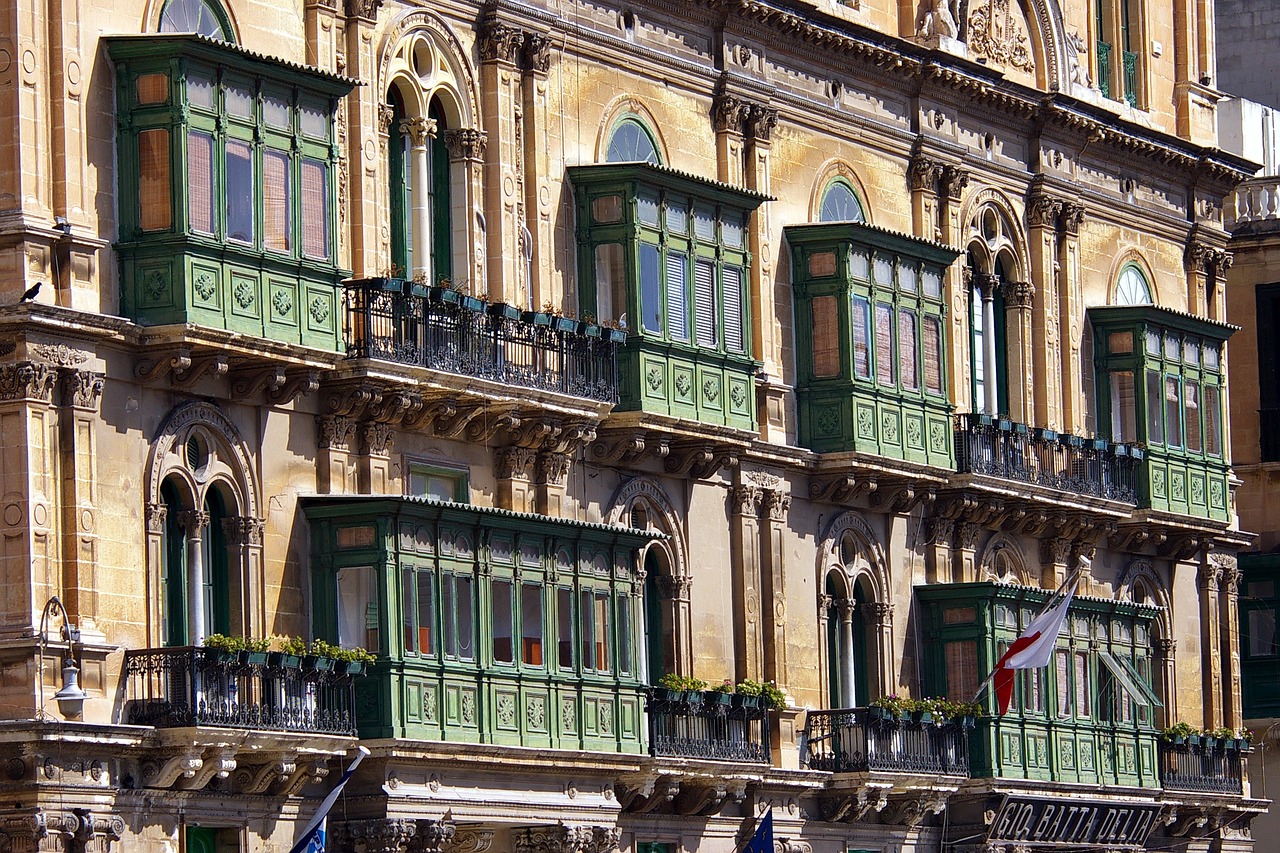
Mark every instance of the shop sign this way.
pixel 1062 823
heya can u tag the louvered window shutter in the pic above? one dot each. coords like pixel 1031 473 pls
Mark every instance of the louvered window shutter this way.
pixel 884 343
pixel 734 338
pixel 704 302
pixel 677 297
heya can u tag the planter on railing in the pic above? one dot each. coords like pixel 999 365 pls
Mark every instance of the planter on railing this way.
pixel 189 686
pixel 1069 463
pixel 857 740
pixel 1207 765
pixel 441 329
pixel 698 724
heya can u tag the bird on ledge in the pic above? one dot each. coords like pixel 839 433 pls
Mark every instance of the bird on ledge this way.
pixel 30 295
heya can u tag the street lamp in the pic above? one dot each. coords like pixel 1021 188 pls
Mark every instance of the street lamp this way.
pixel 70 695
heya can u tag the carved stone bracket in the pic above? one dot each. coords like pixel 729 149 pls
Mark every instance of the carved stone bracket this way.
pixel 216 762
pixel 297 383
pixel 699 459
pixel 158 774
pixel 912 810
pixel 212 366
pixel 903 497
pixel 153 368
pixel 376 438
pixel 469 840
pixel 627 448
pixel 304 772
pixel 257 780
pixel 249 383
pixel 954 179
pixel 841 488
pixel 1183 545
pixel 500 42
pixel 855 806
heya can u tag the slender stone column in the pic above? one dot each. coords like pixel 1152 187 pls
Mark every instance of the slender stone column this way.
pixel 81 393
pixel 773 592
pixel 194 523
pixel 744 547
pixel 1229 603
pixel 848 666
pixel 1208 576
pixel 1022 370
pixel 421 131
pixel 990 395
pixel 1071 318
pixel 1042 245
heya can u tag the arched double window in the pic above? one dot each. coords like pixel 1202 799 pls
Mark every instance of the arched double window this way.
pixel 204 17
pixel 992 266
pixel 420 190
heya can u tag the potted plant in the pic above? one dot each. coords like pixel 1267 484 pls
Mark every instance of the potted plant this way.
pixel 1177 733
pixel 891 707
pixel 219 648
pixel 680 688
pixel 352 661
pixel 766 693
pixel 721 694
pixel 502 309
pixel 255 651
pixel 319 655
pixel 286 652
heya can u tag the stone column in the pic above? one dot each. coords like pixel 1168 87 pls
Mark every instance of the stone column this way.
pixel 744 550
pixel 1023 376
pixel 373 466
pixel 421 131
pixel 500 86
pixel 366 144
pixel 466 149
pixel 1042 246
pixel 826 677
pixel 1167 660
pixel 194 523
pixel 550 471
pixel 335 472
pixel 538 237
pixel 81 393
pixel 951 182
pixel 1208 575
pixel 1197 271
pixel 765 330
pixel 773 586
pixel 728 113
pixel 1071 319
pixel 923 173
pixel 27 481
pixel 512 469
pixel 243 536
pixel 848 666
pixel 675 600
pixel 990 376
pixel 1229 605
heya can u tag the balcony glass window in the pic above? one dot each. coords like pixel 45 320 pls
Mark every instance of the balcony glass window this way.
pixel 531 622
pixel 357 608
pixel 503 619
pixel 456 604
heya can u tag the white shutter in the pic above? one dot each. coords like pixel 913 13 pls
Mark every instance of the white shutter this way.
pixel 704 302
pixel 734 340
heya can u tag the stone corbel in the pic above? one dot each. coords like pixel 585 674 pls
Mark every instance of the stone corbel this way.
pixel 643 793
pixel 854 807
pixel 156 774
pixel 623 448
pixel 484 427
pixel 213 366
pixel 841 489
pixel 298 383
pixel 451 420
pixel 704 797
pixel 152 368
pixel 912 810
pixel 699 459
pixel 500 42
pixel 1182 546
pixel 250 383
pixel 304 772
pixel 97 832
pixel 513 463
pixel 217 762
pixel 903 497
pixel 257 780
pixel 352 400
pixel 923 173
pixel 469 840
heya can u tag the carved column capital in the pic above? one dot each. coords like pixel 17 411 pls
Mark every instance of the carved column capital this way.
pixel 430 836
pixel 924 173
pixel 954 179
pixel 745 501
pixel 1055 551
pixel 81 389
pixel 1166 648
pixel 193 521
pixel 367 9
pixel 335 432
pixel 157 515
pixel 242 530
pixel 728 112
pixel 676 587
pixel 380 835
pixel 1208 576
pixel 760 122
pixel 95 832
pixel 419 129
pixel 376 438
pixel 880 611
pixel 27 380
pixel 513 463
pixel 825 602
pixel 386 117
pixel 967 535
pixel 1071 217
pixel 1018 294
pixel 941 530
pixel 536 54
pixel 846 608
pixel 550 469
pixel 777 503
pixel 470 841
pixel 465 143
pixel 560 838
pixel 1043 211
pixel 500 42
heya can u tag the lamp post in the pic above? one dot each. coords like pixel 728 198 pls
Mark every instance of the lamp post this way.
pixel 70 695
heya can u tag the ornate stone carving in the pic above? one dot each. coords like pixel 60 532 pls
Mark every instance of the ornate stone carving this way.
pixel 954 179
pixel 419 129
pixel 380 835
pixel 537 53
pixel 968 534
pixel 936 18
pixel 513 463
pixel 240 530
pixel 760 122
pixel 376 438
pixel 94 833
pixel 157 514
pixel 431 835
pixel 367 9
pixel 386 115
pixel 1055 551
pixel 81 389
pixel 1018 294
pixel 745 501
pixel 677 587
pixel 993 32
pixel 1208 576
pixel 924 173
pixel 27 380
pixel 465 143
pixel 1166 647
pixel 728 113
pixel 776 504
pixel 500 42
pixel 879 611
pixel 551 468
pixel 1071 216
pixel 941 531
pixel 58 355
pixel 193 521
pixel 1043 211
pixel 567 839
pixel 335 432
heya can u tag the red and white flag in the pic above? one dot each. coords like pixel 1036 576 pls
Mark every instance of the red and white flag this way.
pixel 1032 650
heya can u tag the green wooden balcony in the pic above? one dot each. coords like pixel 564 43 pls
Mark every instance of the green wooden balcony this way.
pixel 489 626
pixel 1078 751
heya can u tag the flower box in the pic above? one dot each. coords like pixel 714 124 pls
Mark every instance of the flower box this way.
pixel 472 303
pixel 564 324
pixel 875 712
pixel 502 309
pixel 591 330
pixel 717 697
pixel 349 667
pixel 318 663
pixel 617 336
pixel 280 660
pixel 253 658
pixel 536 318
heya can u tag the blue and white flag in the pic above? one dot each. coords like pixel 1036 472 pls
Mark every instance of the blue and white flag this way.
pixel 312 839
pixel 762 839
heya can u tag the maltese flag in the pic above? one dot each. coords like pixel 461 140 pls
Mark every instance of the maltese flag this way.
pixel 1032 650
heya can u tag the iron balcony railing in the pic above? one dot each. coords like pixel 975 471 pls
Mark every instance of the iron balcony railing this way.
pixel 190 686
pixel 857 740
pixel 1209 767
pixel 1130 62
pixel 714 726
pixel 1068 463
pixel 1104 69
pixel 396 320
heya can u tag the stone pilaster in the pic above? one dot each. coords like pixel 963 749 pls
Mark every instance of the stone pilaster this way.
pixel 373 465
pixel 744 550
pixel 773 572
pixel 951 182
pixel 537 245
pixel 551 469
pixel 1071 318
pixel 366 122
pixel 923 174
pixel 1018 324
pixel 1208 576
pixel 513 469
pixel 335 469
pixel 938 565
pixel 1045 365
pixel 1229 623
pixel 1055 561
pixel 243 536
pixel 964 554
pixel 501 104
pixel 78 451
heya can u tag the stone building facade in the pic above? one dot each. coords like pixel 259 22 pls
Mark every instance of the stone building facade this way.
pixel 544 350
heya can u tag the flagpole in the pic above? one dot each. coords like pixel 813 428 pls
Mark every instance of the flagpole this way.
pixel 317 820
pixel 1072 577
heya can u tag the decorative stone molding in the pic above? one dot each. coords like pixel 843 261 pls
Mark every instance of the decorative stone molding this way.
pixel 993 32
pixel 841 488
pixel 58 355
pixel 1055 551
pixel 500 42
pixel 157 514
pixel 1043 211
pixel 1208 577
pixel 924 173
pixel 551 468
pixel 335 432
pixel 967 535
pixel 27 380
pixel 465 143
pixel 954 179
pixel 376 438
pixel 513 463
pixel 240 531
pixel 469 841
pixel 567 839
pixel 366 9
pixel 431 835
pixel 777 504
pixel 1071 217
pixel 745 501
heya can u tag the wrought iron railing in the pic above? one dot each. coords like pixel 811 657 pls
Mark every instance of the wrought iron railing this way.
pixel 1130 62
pixel 1104 69
pixel 856 740
pixel 396 320
pixel 691 726
pixel 1208 767
pixel 190 686
pixel 1068 463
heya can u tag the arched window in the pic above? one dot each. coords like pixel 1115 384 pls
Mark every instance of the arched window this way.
pixel 418 174
pixel 631 142
pixel 848 664
pixel 196 16
pixel 991 267
pixel 840 204
pixel 1132 287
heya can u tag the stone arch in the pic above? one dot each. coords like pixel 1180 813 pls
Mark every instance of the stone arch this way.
pixel 1055 56
pixel 668 587
pixel 623 107
pixel 1141 574
pixel 832 170
pixel 1131 256
pixel 855 636
pixel 1003 562
pixel 199 451
pixel 829 557
pixel 419 50
pixel 1011 241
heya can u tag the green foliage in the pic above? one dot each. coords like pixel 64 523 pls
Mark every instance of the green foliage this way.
pixel 725 686
pixel 1179 729
pixel 295 646
pixel 288 645
pixel 772 696
pixel 671 681
pixel 223 643
pixel 323 649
